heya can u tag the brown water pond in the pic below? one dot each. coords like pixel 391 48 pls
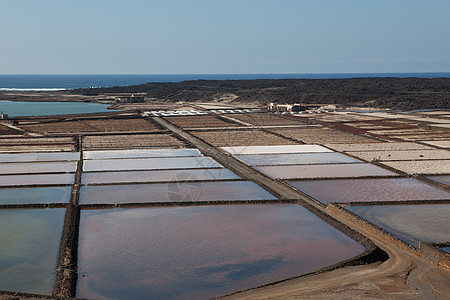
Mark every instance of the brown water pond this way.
pixel 173 192
pixel 411 223
pixel 29 242
pixel 363 190
pixel 155 176
pixel 201 252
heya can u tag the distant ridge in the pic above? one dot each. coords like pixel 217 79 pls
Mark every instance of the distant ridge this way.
pixel 394 93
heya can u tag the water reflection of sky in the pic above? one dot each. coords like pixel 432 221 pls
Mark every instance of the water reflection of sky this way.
pixel 174 191
pixel 201 252
pixel 35 195
pixel 412 223
pixel 362 190
pixel 29 242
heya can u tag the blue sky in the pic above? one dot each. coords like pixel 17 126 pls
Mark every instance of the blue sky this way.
pixel 226 36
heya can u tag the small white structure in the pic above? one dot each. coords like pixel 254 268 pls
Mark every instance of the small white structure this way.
pixel 287 107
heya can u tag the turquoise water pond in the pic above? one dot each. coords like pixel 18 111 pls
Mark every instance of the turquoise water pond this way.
pixel 22 108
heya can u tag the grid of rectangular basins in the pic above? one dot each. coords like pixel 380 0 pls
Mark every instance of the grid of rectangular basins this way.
pixel 413 210
pixel 218 244
pixel 159 219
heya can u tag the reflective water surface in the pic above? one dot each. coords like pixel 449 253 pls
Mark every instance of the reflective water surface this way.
pixel 35 195
pixel 139 153
pixel 322 171
pixel 445 179
pixel 46 167
pixel 295 159
pixel 155 176
pixel 173 192
pixel 29 241
pixel 363 190
pixel 42 156
pixel 150 163
pixel 412 223
pixel 201 252
pixel 45 179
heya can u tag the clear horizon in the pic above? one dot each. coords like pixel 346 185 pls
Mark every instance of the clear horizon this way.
pixel 168 74
pixel 224 37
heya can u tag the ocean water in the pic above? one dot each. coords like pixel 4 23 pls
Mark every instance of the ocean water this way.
pixel 22 108
pixel 61 82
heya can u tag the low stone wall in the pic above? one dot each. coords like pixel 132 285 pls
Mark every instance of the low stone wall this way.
pixel 431 253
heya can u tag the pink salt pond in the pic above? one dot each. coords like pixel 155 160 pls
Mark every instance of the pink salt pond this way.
pixel 199 252
pixel 324 171
pixel 173 192
pixel 411 223
pixel 364 190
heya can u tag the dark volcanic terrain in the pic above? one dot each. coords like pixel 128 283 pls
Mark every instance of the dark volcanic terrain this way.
pixel 394 93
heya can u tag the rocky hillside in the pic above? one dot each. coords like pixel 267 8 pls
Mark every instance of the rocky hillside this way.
pixel 396 93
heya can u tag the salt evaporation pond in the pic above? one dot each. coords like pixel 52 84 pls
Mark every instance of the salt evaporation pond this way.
pixel 150 163
pixel 22 108
pixel 155 176
pixel 35 195
pixel 295 159
pixel 34 179
pixel 324 171
pixel 364 190
pixel 29 242
pixel 173 192
pixel 201 252
pixel 275 149
pixel 140 153
pixel 40 157
pixel 46 167
pixel 445 179
pixel 411 223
